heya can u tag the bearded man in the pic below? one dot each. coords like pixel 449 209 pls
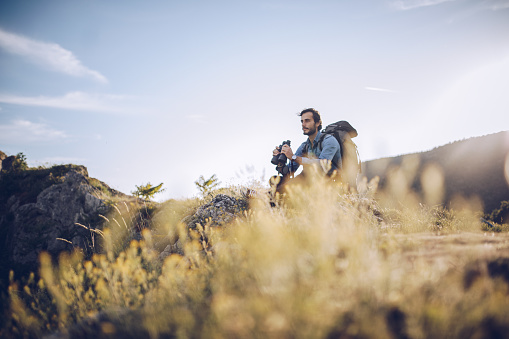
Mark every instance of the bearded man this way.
pixel 311 152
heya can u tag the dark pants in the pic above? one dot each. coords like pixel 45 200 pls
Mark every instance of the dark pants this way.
pixel 302 180
pixel 287 181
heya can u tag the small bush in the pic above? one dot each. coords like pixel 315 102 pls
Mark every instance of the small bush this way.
pixel 500 215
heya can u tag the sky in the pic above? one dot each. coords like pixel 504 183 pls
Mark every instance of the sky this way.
pixel 166 91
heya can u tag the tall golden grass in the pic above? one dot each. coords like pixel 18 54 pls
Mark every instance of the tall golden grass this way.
pixel 325 263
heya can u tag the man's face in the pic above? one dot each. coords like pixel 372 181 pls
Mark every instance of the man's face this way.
pixel 308 124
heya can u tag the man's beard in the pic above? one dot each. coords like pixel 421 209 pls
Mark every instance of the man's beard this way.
pixel 310 131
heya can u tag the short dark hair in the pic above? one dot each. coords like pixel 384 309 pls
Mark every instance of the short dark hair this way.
pixel 316 116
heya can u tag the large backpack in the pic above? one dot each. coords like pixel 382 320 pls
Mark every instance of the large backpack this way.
pixel 350 162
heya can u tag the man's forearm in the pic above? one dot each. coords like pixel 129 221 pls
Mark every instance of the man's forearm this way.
pixel 308 161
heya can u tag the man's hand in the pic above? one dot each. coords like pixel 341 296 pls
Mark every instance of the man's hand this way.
pixel 276 151
pixel 287 150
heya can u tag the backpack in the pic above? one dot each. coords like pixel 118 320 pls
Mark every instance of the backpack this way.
pixel 351 165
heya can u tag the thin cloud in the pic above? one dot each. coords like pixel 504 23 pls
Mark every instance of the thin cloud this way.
pixel 376 89
pixel 23 131
pixel 74 101
pixel 50 55
pixel 405 5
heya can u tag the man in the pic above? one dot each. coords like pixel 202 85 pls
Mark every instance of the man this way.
pixel 311 152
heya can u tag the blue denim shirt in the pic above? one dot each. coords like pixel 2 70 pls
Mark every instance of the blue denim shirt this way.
pixel 330 151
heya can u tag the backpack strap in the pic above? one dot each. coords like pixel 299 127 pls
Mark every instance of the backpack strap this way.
pixel 320 145
pixel 320 140
pixel 305 150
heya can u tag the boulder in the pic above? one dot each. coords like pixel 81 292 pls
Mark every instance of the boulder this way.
pixel 40 212
pixel 220 211
pixel 7 162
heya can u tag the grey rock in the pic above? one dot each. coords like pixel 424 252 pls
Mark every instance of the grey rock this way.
pixel 32 227
pixel 176 248
pixel 220 211
pixel 12 203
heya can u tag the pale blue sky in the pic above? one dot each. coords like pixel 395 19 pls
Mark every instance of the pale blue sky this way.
pixel 166 91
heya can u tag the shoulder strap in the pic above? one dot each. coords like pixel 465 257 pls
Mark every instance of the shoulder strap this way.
pixel 320 141
pixel 305 149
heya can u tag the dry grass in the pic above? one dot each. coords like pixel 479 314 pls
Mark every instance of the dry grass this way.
pixel 324 264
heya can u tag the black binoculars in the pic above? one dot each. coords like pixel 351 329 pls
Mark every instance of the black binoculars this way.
pixel 280 160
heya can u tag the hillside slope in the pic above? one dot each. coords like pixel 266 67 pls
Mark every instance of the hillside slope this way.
pixel 471 167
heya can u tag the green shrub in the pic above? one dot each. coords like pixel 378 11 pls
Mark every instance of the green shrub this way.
pixel 501 214
pixel 148 191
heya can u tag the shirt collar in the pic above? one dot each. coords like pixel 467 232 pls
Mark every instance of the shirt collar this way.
pixel 315 140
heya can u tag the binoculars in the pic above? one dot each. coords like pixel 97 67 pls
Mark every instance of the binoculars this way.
pixel 280 160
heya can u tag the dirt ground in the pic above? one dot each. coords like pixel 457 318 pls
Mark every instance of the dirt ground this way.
pixel 486 245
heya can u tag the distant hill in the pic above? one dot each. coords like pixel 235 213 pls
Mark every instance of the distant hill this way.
pixel 471 167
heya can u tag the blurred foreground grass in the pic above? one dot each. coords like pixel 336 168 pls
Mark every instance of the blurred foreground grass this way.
pixel 323 264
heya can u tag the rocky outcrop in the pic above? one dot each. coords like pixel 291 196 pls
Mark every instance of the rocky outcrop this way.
pixel 6 162
pixel 40 209
pixel 2 157
pixel 220 211
pixel 40 226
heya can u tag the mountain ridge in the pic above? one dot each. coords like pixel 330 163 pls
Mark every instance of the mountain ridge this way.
pixel 476 166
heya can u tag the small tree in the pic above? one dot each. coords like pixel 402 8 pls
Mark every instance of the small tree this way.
pixel 20 163
pixel 206 185
pixel 148 191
